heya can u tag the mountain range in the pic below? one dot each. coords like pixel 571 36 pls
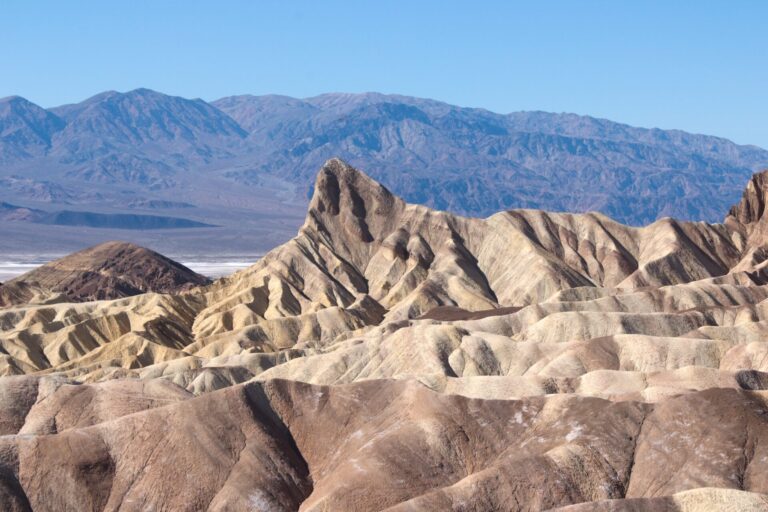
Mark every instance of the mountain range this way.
pixel 236 161
pixel 394 357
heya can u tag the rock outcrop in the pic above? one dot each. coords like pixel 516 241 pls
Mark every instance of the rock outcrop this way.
pixel 110 270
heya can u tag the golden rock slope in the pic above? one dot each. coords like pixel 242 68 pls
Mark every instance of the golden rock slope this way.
pixel 615 367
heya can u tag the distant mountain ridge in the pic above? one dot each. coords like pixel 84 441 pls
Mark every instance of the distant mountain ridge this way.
pixel 233 154
pixel 476 162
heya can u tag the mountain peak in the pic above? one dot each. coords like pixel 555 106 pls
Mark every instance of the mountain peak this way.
pixel 145 116
pixel 350 209
pixel 25 127
pixel 15 99
pixel 751 208
pixel 340 189
pixel 145 91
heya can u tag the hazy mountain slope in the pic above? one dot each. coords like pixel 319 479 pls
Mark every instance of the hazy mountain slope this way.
pixel 475 162
pixel 26 130
pixel 243 158
pixel 143 116
pixel 141 136
pixel 123 152
pixel 259 114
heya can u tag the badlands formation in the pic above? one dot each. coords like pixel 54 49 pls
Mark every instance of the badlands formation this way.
pixel 392 357
pixel 107 271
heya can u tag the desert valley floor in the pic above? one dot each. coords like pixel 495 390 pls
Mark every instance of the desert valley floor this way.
pixel 393 357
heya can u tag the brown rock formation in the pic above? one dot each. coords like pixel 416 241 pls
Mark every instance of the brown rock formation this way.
pixel 107 271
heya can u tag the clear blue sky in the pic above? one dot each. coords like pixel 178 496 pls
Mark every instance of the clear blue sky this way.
pixel 696 65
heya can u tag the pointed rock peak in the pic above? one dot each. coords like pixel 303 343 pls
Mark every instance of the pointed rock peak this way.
pixel 751 208
pixel 348 207
pixel 342 189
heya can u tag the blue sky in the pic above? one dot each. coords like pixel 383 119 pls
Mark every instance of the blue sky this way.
pixel 696 65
